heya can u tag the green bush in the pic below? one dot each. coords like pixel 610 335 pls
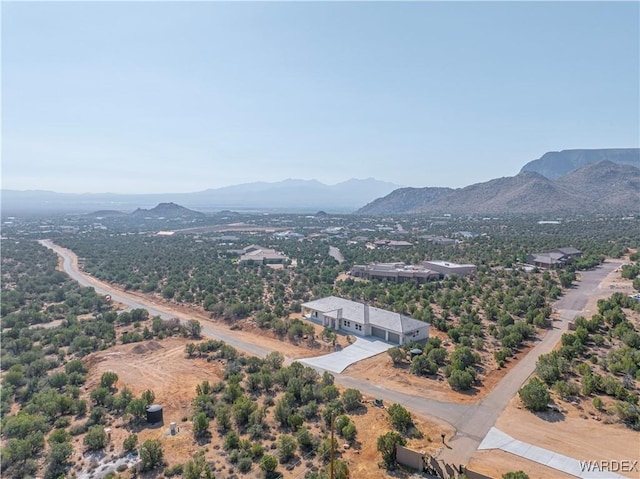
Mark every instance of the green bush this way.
pixel 534 395
pixel 461 380
pixel 400 418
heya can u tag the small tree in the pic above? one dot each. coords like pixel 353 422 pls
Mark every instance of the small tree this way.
pixel 400 418
pixel 151 454
pixel 351 399
pixel 286 447
pixel 422 366
pixel 197 468
pixel 534 395
pixel 108 379
pixel 194 328
pixel 268 464
pixel 515 475
pixel 462 380
pixel 387 447
pixel 349 432
pixel 95 439
pixel 149 396
pixel 130 443
pixel 397 355
pixel 137 408
pixel 58 459
pixel 200 425
pixel 340 470
pixel 274 360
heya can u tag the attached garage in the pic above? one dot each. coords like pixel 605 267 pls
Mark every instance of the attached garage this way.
pixel 378 333
pixel 394 338
pixel 361 319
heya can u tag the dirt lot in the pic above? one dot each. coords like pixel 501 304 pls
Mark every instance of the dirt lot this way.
pixel 163 367
pixel 247 329
pixel 399 378
pixel 580 431
pixel 576 434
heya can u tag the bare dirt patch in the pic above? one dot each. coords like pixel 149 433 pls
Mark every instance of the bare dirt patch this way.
pixel 399 378
pixel 246 329
pixel 363 463
pixel 495 463
pixel 574 433
pixel 162 366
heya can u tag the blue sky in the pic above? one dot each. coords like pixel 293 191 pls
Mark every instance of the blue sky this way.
pixel 176 97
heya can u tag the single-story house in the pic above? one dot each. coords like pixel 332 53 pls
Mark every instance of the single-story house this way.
pixel 570 252
pixel 385 243
pixel 554 259
pixel 447 268
pixel 397 272
pixel 259 255
pixel 363 320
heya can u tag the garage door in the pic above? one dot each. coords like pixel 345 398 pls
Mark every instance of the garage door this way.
pixel 378 333
pixel 394 338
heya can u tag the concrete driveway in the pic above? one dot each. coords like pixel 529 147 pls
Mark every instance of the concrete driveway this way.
pixel 496 439
pixel 337 362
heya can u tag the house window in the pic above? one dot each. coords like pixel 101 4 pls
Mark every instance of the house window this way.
pixel 347 324
pixel 358 327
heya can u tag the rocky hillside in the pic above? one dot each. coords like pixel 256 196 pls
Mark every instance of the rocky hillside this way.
pixel 554 164
pixel 607 184
pixel 403 200
pixel 168 210
pixel 602 187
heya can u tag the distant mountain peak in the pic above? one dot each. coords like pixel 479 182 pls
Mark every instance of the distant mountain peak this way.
pixel 170 210
pixel 554 164
pixel 601 187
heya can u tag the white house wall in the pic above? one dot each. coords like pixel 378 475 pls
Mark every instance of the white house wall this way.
pixel 351 328
pixel 420 335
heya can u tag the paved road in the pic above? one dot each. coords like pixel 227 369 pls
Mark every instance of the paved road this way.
pixel 478 418
pixel 70 266
pixel 336 254
pixel 472 422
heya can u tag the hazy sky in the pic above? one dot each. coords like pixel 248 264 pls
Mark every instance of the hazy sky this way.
pixel 177 97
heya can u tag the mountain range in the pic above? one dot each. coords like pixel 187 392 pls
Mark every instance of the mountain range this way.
pixel 289 195
pixel 603 187
pixel 564 182
pixel 554 164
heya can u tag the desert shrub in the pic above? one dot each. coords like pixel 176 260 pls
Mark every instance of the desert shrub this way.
pixel 534 395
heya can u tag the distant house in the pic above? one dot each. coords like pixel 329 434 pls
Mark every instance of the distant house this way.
pixel 392 244
pixel 288 235
pixel 255 254
pixel 554 259
pixel 397 272
pixel 570 252
pixel 546 260
pixel 447 268
pixel 363 320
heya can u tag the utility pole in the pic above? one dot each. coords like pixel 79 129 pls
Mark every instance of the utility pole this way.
pixel 333 417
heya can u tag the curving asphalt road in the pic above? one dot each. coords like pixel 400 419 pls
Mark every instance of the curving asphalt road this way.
pixel 472 422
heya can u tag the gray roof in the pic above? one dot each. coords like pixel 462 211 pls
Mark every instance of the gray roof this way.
pixel 354 311
pixel 258 253
pixel 548 257
pixel 569 250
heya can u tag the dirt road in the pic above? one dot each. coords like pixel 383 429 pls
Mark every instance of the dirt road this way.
pixel 472 422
